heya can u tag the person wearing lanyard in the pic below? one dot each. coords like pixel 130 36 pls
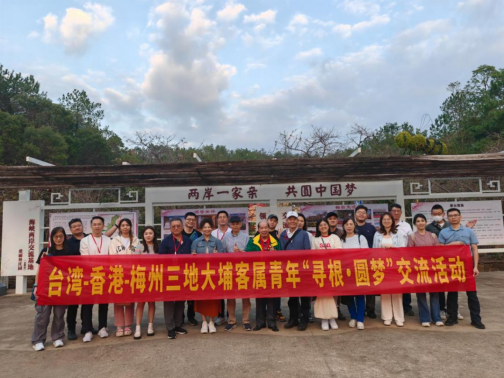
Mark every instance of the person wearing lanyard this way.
pixel 236 241
pixel 95 244
pixel 204 245
pixel 264 241
pixel 388 236
pixel 222 229
pixel 325 307
pixel 175 244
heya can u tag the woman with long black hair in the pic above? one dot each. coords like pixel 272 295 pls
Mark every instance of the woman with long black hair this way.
pixel 57 247
pixel 148 246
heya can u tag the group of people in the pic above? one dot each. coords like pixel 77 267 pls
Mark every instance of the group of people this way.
pixel 356 232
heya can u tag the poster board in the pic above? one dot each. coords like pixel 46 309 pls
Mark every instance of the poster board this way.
pixel 489 227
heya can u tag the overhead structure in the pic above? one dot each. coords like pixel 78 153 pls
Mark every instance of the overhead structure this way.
pixel 253 172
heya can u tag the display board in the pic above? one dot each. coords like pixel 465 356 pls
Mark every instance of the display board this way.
pixel 487 216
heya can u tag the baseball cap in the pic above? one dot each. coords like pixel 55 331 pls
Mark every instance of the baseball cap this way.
pixel 291 214
pixel 234 219
pixel 271 216
pixel 331 214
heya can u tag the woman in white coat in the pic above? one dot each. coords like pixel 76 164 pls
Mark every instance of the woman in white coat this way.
pixel 124 244
pixel 325 307
pixel 388 236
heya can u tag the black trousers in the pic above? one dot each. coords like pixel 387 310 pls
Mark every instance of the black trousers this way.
pixel 370 303
pixel 442 301
pixel 406 302
pixel 472 301
pixel 72 317
pixel 87 317
pixel 266 311
pixel 295 307
pixel 190 310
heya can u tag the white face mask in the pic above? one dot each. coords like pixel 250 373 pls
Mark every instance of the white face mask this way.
pixel 437 218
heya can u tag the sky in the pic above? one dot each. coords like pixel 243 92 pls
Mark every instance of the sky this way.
pixel 237 73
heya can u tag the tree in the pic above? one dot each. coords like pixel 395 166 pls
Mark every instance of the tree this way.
pixel 85 112
pixel 89 147
pixel 320 143
pixel 45 144
pixel 11 139
pixel 13 88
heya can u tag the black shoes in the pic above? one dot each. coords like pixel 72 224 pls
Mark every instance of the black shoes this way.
pixel 302 326
pixel 71 335
pixel 409 313
pixel 259 327
pixel 193 322
pixel 291 324
pixel 172 334
pixel 371 315
pixel 180 330
pixel 477 325
pixel 450 322
pixel 274 328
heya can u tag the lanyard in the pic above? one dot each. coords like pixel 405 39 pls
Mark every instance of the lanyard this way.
pixel 101 244
pixel 265 246
pixel 222 237
pixel 175 244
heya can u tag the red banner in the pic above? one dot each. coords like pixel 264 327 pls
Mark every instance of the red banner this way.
pixel 153 278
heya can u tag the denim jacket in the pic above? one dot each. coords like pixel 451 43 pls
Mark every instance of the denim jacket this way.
pixel 201 246
pixel 399 239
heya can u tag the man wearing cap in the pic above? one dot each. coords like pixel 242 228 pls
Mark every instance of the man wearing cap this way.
pixel 295 239
pixel 332 219
pixel 236 241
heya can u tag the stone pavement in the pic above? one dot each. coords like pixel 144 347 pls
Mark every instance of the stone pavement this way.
pixel 377 351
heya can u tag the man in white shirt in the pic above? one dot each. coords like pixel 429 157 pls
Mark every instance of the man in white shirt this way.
pixel 222 229
pixel 95 244
pixel 405 228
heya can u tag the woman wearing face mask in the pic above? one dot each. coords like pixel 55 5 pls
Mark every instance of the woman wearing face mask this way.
pixel 423 238
pixel 389 237
pixel 357 303
pixel 325 307
pixel 148 246
pixel 203 245
pixel 124 244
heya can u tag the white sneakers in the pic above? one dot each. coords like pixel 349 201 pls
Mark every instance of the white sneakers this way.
pixel 204 327
pixel 352 323
pixel 102 333
pixel 325 325
pixel 459 316
pixel 211 327
pixel 87 337
pixel 425 324
pixel 138 333
pixel 150 330
pixel 399 324
pixel 38 347
pixel 360 325
pixel 439 324
pixel 59 343
pixel 443 315
pixel 333 324
pixel 387 322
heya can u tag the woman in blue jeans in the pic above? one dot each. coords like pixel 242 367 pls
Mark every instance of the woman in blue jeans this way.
pixel 356 304
pixel 423 238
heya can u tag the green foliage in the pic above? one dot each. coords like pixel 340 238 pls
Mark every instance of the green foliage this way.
pixel 46 144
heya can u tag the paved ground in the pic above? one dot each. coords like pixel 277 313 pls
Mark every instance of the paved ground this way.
pixel 378 351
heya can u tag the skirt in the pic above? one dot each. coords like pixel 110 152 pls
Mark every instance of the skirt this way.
pixel 325 308
pixel 209 308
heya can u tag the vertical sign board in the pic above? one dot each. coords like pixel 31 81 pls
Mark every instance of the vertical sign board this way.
pixel 21 237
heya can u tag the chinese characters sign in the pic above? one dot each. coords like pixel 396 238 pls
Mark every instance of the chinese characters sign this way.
pixel 137 278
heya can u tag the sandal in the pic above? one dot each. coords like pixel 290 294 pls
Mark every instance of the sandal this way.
pixel 127 331
pixel 120 332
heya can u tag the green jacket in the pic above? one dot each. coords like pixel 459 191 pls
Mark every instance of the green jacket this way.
pixel 254 244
